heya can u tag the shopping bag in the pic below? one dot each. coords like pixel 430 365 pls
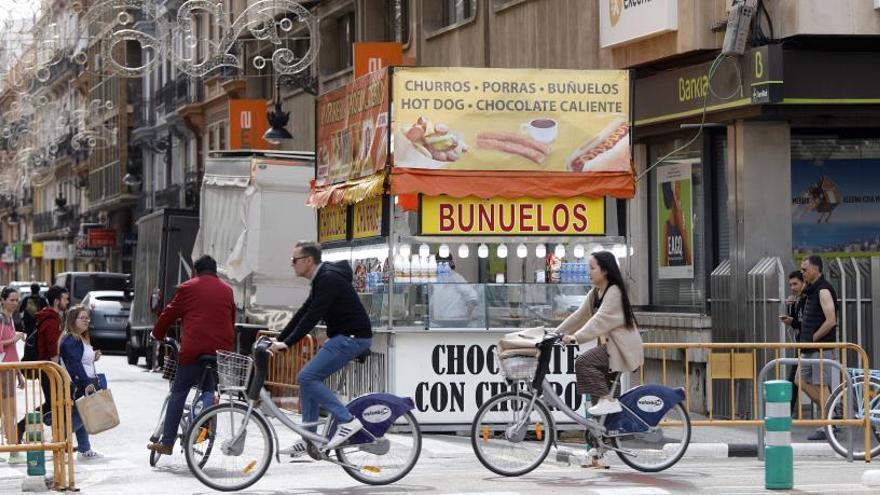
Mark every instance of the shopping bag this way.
pixel 97 411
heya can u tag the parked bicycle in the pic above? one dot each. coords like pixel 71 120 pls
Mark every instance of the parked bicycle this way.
pixel 835 408
pixel 383 452
pixel 200 399
pixel 513 431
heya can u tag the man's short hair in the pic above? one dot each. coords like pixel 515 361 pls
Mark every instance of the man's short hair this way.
pixel 815 260
pixel 54 294
pixel 310 249
pixel 205 264
pixel 35 289
pixel 796 274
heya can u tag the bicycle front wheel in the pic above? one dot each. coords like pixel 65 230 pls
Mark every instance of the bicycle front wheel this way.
pixel 834 409
pixel 389 458
pixel 659 448
pixel 510 435
pixel 241 447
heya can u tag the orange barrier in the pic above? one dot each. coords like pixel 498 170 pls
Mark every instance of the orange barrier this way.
pixel 284 368
pixel 15 403
pixel 737 363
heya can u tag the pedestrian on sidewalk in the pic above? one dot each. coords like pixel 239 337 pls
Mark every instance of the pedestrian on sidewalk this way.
pixel 819 324
pixel 76 352
pixel 794 312
pixel 206 307
pixel 48 333
pixel 605 314
pixel 31 305
pixel 9 336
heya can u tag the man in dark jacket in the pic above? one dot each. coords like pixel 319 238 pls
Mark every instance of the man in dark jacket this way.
pixel 794 312
pixel 31 305
pixel 349 334
pixel 48 333
pixel 207 308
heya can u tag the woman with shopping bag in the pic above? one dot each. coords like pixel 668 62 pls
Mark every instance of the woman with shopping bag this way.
pixel 78 356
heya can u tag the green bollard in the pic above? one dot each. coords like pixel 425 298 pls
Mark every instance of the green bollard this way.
pixel 36 460
pixel 778 456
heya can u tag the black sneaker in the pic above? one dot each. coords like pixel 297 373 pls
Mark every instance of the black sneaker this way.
pixel 818 435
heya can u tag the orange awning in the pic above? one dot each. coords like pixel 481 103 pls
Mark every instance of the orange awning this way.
pixel 510 184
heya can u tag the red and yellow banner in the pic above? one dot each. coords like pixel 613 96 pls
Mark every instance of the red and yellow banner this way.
pixel 333 223
pixel 443 215
pixel 353 130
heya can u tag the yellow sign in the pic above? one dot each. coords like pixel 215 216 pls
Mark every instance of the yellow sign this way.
pixel 367 218
pixel 36 250
pixel 332 223
pixel 444 215
pixel 511 119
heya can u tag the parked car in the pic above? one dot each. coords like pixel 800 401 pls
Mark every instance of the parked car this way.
pixel 81 283
pixel 24 287
pixel 110 310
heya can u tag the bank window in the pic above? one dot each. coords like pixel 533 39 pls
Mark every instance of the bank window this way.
pixel 438 15
pixel 677 226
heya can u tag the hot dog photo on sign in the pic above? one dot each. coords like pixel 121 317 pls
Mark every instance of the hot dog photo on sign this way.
pixel 509 119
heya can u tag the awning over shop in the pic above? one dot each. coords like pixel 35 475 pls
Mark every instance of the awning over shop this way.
pixel 347 193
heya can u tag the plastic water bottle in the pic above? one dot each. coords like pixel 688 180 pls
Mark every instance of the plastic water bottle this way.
pixel 36 460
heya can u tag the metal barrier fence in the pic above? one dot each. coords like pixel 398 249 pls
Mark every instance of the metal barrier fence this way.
pixel 733 364
pixel 351 381
pixel 17 406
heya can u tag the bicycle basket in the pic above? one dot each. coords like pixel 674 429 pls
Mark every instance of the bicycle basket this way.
pixel 169 368
pixel 519 367
pixel 233 370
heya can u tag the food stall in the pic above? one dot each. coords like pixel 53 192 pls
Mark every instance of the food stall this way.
pixel 468 202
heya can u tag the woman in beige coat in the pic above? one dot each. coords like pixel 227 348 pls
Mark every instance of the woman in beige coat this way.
pixel 606 314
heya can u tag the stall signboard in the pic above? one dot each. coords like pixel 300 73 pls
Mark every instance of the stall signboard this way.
pixel 450 375
pixel 675 228
pixel 353 130
pixel 333 223
pixel 445 215
pixel 54 250
pixel 100 238
pixel 367 218
pixel 534 120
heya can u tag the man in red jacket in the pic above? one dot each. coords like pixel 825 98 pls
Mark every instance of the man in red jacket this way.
pixel 207 310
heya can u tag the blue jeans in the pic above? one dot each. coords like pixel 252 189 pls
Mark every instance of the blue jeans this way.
pixel 335 353
pixel 82 436
pixel 186 378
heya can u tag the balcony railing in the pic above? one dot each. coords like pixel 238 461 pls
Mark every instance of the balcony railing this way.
pixel 50 221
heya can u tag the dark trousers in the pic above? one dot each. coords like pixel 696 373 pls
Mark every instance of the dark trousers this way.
pixel 46 407
pixel 186 378
pixel 792 377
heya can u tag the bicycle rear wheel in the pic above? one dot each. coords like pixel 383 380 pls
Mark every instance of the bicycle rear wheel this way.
pixel 658 449
pixel 241 450
pixel 834 409
pixel 387 460
pixel 510 438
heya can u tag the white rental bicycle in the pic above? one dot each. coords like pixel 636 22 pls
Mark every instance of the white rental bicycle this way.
pixel 245 440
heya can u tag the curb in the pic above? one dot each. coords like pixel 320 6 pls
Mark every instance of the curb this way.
pixel 721 450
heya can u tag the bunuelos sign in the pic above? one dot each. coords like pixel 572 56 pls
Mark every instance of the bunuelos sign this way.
pixel 444 215
pixel 538 120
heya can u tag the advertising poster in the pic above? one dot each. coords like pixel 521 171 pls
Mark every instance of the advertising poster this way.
pixel 511 120
pixel 353 130
pixel 835 207
pixel 675 232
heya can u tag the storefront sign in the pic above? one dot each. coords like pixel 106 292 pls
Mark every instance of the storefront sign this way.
pixel 675 239
pixel 54 250
pixel 367 218
pixel 353 130
pixel 370 56
pixel 444 215
pixel 247 124
pixel 8 255
pixel 450 375
pixel 835 207
pixel 755 78
pixel 624 21
pixel 333 223
pixel 511 119
pixel 37 250
pixel 99 238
